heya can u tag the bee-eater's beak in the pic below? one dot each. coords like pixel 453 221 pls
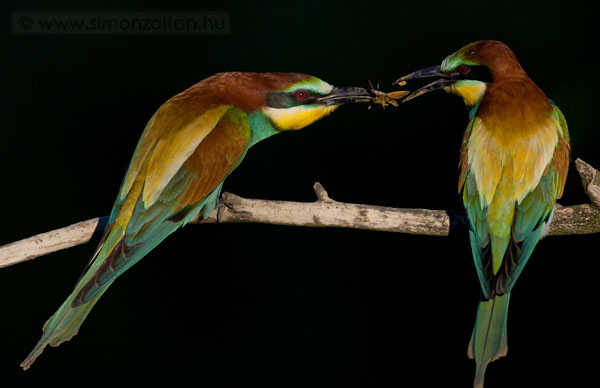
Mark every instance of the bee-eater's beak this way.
pixel 445 80
pixel 343 95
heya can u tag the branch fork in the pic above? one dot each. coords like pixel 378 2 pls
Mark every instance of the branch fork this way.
pixel 590 179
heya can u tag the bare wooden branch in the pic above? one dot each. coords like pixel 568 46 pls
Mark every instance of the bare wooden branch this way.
pixel 324 212
pixel 44 243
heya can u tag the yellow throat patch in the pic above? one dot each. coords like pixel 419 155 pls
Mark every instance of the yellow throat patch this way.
pixel 297 117
pixel 471 91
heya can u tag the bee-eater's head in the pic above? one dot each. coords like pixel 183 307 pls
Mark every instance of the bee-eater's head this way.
pixel 306 99
pixel 469 71
pixel 289 100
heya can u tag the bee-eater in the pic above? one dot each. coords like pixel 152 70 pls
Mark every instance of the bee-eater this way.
pixel 513 166
pixel 188 148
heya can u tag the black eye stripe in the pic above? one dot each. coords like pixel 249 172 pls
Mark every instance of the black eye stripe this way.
pixel 481 73
pixel 476 72
pixel 290 99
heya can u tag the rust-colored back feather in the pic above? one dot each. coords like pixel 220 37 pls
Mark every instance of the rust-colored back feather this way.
pixel 214 158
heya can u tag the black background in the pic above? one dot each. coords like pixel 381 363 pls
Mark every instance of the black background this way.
pixel 241 305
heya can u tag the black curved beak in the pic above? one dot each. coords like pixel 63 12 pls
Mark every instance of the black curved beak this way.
pixel 445 80
pixel 344 95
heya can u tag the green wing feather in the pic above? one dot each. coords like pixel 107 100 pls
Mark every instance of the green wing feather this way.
pixel 478 233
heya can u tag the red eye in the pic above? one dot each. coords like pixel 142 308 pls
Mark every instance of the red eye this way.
pixel 301 94
pixel 463 70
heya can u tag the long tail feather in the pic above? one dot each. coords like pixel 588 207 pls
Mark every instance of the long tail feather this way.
pixel 62 326
pixel 489 338
pixel 65 322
